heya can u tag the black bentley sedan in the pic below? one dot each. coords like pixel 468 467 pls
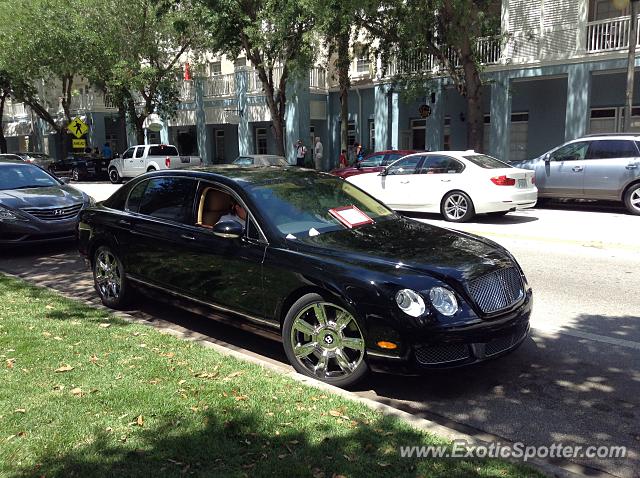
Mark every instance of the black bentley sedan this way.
pixel 35 206
pixel 347 284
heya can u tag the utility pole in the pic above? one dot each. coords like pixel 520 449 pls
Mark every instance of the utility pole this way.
pixel 631 63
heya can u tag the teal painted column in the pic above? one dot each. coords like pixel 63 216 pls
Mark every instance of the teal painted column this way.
pixel 395 120
pixel 381 117
pixel 164 132
pixel 434 130
pixel 578 96
pixel 500 117
pixel 298 118
pixel 201 123
pixel 245 141
pixel 132 139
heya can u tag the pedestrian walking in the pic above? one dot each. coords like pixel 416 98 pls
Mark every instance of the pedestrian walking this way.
pixel 107 153
pixel 343 161
pixel 358 152
pixel 301 153
pixel 317 154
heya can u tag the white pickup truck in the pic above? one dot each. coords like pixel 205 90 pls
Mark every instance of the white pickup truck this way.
pixel 148 157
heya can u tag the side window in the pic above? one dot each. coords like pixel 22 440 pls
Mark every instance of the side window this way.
pixel 390 158
pixel 169 198
pixel 372 161
pixel 570 152
pixel 252 230
pixel 619 148
pixel 135 196
pixel 128 153
pixel 406 165
pixel 441 165
pixel 162 150
pixel 139 151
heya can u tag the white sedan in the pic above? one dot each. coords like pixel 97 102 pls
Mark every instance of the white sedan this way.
pixel 457 184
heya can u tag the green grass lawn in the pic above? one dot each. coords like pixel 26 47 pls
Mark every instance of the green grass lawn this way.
pixel 86 394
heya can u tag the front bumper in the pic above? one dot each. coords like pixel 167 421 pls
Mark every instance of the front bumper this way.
pixel 443 348
pixel 35 232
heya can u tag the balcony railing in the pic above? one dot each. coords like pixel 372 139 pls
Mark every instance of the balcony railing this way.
pixel 187 91
pixel 255 85
pixel 220 85
pixel 610 34
pixel 318 78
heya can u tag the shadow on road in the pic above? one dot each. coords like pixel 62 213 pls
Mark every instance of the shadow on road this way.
pixel 510 218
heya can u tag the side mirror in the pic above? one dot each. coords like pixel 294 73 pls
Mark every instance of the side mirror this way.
pixel 383 172
pixel 228 229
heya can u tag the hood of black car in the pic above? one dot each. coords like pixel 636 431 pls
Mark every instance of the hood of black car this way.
pixel 405 244
pixel 51 196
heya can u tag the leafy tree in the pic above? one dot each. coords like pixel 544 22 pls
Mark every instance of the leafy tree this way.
pixel 414 31
pixel 145 43
pixel 276 36
pixel 5 92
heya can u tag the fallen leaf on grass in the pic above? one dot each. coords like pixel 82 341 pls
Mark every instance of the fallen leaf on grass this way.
pixel 140 420
pixel 206 375
pixel 57 388
pixel 49 307
pixel 240 398
pixel 234 374
pixel 64 368
pixel 383 464
pixel 104 326
pixel 284 455
pixel 20 410
pixel 11 362
pixel 76 391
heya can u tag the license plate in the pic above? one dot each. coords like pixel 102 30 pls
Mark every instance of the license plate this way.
pixel 522 184
pixel 185 159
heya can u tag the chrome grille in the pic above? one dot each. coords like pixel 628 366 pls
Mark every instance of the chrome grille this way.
pixel 54 213
pixel 434 354
pixel 498 290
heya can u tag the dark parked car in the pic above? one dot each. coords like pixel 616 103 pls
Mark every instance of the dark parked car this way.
pixel 345 282
pixel 35 206
pixel 598 166
pixel 81 166
pixel 39 159
pixel 372 162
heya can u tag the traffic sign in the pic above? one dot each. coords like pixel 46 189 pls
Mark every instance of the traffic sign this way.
pixel 425 111
pixel 78 128
pixel 79 143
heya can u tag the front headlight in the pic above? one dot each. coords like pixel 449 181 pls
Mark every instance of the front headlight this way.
pixel 410 302
pixel 8 215
pixel 92 202
pixel 444 301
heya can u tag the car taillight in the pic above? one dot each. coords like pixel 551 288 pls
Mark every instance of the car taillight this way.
pixel 29 160
pixel 167 162
pixel 503 181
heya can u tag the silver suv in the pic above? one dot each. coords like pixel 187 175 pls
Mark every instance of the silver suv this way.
pixel 592 167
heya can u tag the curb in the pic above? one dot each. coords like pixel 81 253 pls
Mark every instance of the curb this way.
pixel 570 470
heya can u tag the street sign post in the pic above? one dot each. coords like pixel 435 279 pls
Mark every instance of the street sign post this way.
pixel 79 143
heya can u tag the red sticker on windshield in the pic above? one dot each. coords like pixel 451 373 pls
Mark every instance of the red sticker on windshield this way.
pixel 350 216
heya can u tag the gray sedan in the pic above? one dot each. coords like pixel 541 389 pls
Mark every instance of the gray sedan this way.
pixel 593 167
pixel 35 206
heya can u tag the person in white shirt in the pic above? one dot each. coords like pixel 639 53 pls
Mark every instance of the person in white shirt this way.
pixel 317 154
pixel 237 213
pixel 301 152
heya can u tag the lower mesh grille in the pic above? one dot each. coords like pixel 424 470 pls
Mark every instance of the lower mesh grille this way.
pixel 498 290
pixel 434 354
pixel 503 343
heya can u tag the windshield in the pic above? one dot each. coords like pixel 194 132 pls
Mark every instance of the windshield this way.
pixel 301 206
pixel 486 162
pixel 20 176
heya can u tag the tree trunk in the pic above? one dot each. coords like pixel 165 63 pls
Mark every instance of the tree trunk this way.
pixel 343 80
pixel 631 63
pixel 473 88
pixel 275 102
pixel 3 140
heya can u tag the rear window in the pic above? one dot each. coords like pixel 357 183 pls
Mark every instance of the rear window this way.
pixel 486 162
pixel 163 150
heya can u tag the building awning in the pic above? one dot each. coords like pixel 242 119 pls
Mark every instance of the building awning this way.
pixel 17 128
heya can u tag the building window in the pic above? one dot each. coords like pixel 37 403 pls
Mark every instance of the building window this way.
pixel 418 134
pixel 447 133
pixel 261 140
pixel 219 146
pixel 215 68
pixel 372 136
pixel 519 136
pixel 363 61
pixel 351 134
pixel 240 62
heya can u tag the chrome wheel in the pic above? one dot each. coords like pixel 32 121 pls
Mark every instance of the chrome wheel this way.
pixel 633 201
pixel 108 275
pixel 114 177
pixel 456 206
pixel 75 174
pixel 327 341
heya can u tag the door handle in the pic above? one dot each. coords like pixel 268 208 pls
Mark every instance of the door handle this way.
pixel 631 166
pixel 446 180
pixel 406 181
pixel 188 237
pixel 124 222
pixel 577 169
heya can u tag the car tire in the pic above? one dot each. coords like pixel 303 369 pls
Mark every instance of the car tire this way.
pixel 323 340
pixel 114 177
pixel 632 199
pixel 75 174
pixel 151 169
pixel 457 206
pixel 109 278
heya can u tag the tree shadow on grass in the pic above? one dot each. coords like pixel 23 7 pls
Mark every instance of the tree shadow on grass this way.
pixel 247 445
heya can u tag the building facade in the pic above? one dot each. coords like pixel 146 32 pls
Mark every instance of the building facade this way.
pixel 557 72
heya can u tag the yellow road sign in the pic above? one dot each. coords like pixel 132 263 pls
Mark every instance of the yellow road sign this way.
pixel 79 143
pixel 78 128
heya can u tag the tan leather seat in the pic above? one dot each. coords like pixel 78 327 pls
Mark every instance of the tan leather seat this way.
pixel 214 205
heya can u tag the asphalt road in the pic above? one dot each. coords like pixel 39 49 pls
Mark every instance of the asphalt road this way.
pixel 576 380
